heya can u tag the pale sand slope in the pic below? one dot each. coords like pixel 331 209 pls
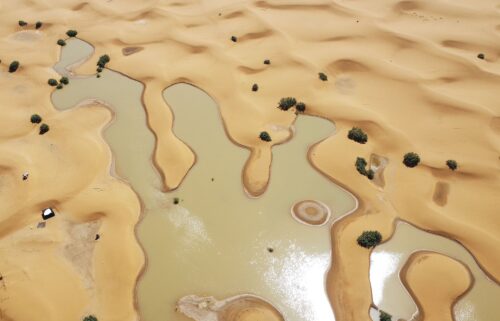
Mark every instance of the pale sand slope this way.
pixel 404 71
pixel 450 280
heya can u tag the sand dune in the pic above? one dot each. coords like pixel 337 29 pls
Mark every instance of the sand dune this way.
pixel 407 72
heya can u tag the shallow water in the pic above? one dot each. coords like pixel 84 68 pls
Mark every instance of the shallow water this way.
pixel 481 303
pixel 216 241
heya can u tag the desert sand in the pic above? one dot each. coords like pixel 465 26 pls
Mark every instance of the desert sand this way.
pixel 406 72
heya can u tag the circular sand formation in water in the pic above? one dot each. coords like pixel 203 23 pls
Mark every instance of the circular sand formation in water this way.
pixel 244 307
pixel 311 212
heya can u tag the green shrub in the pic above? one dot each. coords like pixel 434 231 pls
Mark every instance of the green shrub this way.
pixel 255 87
pixel 176 200
pixel 98 76
pixel 361 168
pixel 322 76
pixel 90 318
pixel 411 159
pixel 103 60
pixel 64 80
pixel 22 23
pixel 384 316
pixel 452 164
pixel 13 66
pixel 480 56
pixel 71 33
pixel 300 107
pixel 358 135
pixel 52 82
pixel 43 129
pixel 234 39
pixel 265 136
pixel 59 86
pixel 38 25
pixel 99 69
pixel 369 239
pixel 286 103
pixel 267 62
pixel 370 174
pixel 61 42
pixel 36 119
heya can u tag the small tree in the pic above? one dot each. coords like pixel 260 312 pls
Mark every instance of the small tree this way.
pixel 300 107
pixel 255 87
pixel 36 119
pixel 361 165
pixel 22 23
pixel 176 200
pixel 90 318
pixel 384 316
pixel 322 76
pixel 267 62
pixel 452 164
pixel 52 82
pixel 234 39
pixel 286 103
pixel 99 69
pixel 64 80
pixel 38 25
pixel 13 66
pixel 480 56
pixel 411 159
pixel 43 129
pixel 103 60
pixel 369 239
pixel 358 135
pixel 59 86
pixel 61 42
pixel 71 33
pixel 265 136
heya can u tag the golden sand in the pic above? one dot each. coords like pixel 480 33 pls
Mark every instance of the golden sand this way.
pixel 406 72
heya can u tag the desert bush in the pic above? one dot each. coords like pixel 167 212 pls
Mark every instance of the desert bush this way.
pixel 38 25
pixel 61 42
pixel 452 164
pixel 52 82
pixel 99 69
pixel 255 87
pixel 322 76
pixel 369 239
pixel 358 135
pixel 71 33
pixel 286 103
pixel 480 56
pixel 43 129
pixel 384 316
pixel 98 76
pixel 267 62
pixel 103 60
pixel 64 80
pixel 90 318
pixel 176 200
pixel 22 23
pixel 300 107
pixel 13 66
pixel 361 168
pixel 411 159
pixel 59 86
pixel 265 136
pixel 234 39
pixel 36 119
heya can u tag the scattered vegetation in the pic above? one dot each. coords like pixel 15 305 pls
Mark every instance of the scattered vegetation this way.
pixel 43 129
pixel 64 80
pixel 255 87
pixel 22 23
pixel 267 62
pixel 322 76
pixel 71 33
pixel 480 56
pixel 98 76
pixel 234 39
pixel 384 316
pixel 286 103
pixel 176 200
pixel 361 168
pixel 300 107
pixel 52 82
pixel 61 42
pixel 13 66
pixel 36 119
pixel 369 239
pixel 411 159
pixel 265 136
pixel 90 318
pixel 59 86
pixel 99 69
pixel 452 164
pixel 38 25
pixel 103 60
pixel 358 135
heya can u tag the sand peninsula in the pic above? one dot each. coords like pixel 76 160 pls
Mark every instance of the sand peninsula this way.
pixel 410 87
